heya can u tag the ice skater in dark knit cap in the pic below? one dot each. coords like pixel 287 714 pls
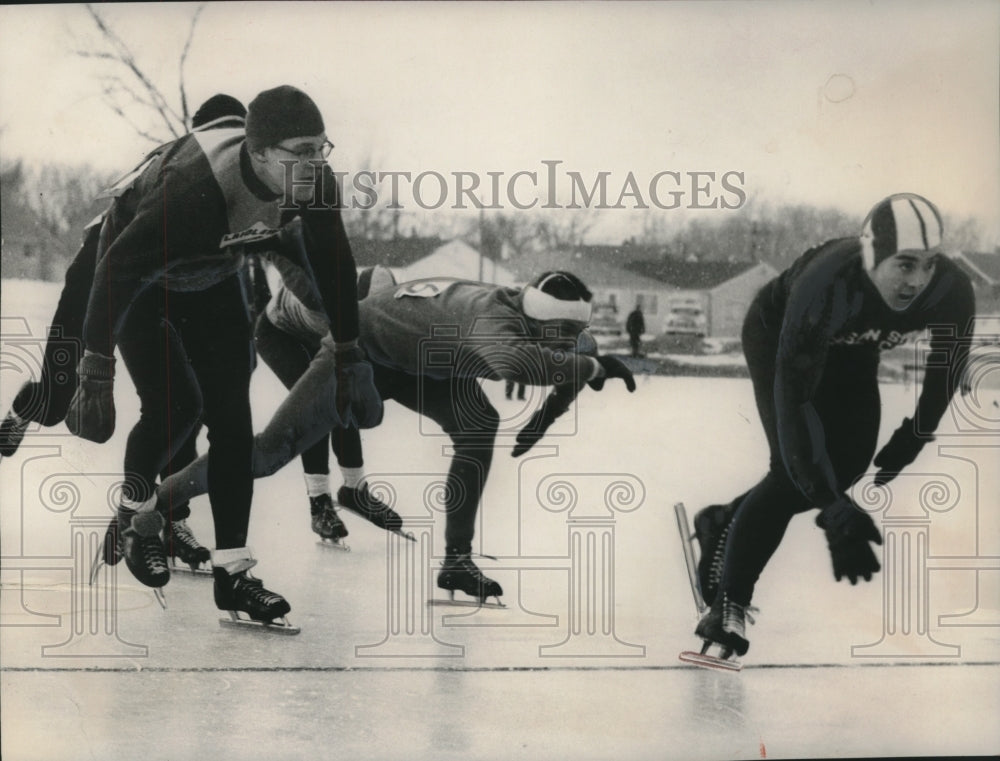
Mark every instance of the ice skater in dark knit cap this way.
pixel 185 224
pixel 46 400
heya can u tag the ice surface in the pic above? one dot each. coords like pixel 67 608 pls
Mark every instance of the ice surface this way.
pixel 583 663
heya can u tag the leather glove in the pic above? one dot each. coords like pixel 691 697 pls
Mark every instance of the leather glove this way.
pixel 848 533
pixel 555 404
pixel 358 402
pixel 612 367
pixel 91 413
pixel 902 449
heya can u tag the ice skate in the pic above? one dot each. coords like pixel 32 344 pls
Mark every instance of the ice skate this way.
pixel 690 561
pixel 458 572
pixel 372 509
pixel 143 549
pixel 724 627
pixel 248 603
pixel 327 523
pixel 711 529
pixel 185 552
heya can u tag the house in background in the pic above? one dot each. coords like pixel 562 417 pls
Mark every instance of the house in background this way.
pixel 984 271
pixel 616 290
pixel 456 258
pixel 417 257
pixel 395 253
pixel 662 287
pixel 723 289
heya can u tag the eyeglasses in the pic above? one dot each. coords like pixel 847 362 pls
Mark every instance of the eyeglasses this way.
pixel 308 151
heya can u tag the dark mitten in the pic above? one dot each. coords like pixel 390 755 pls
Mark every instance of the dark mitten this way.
pixel 358 402
pixel 12 430
pixel 91 413
pixel 555 404
pixel 848 533
pixel 901 449
pixel 612 367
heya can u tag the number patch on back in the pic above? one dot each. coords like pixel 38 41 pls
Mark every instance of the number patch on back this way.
pixel 424 289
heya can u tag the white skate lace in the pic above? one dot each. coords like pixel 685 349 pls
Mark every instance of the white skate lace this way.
pixel 252 589
pixel 182 533
pixel 328 518
pixel 152 554
pixel 733 620
pixel 715 574
pixel 464 563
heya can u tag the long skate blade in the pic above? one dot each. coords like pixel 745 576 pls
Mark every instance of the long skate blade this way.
pixel 710 661
pixel 160 597
pixel 277 626
pixel 407 535
pixel 687 539
pixel 192 570
pixel 452 603
pixel 334 544
pixel 95 567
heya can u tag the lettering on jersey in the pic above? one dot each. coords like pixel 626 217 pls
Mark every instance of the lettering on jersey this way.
pixel 254 234
pixel 887 339
pixel 426 289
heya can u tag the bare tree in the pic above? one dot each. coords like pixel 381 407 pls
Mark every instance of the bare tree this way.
pixel 129 90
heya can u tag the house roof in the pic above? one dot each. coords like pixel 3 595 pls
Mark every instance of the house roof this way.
pixel 457 258
pixel 691 275
pixel 593 270
pixel 394 252
pixel 981 266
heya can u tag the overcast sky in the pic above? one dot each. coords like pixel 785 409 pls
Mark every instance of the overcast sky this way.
pixel 831 103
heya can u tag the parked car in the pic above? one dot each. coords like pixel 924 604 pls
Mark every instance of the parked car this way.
pixel 604 321
pixel 686 317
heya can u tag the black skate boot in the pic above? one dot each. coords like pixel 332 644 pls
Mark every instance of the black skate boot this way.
pixel 326 522
pixel 12 430
pixel 241 593
pixel 711 529
pixel 142 547
pixel 370 508
pixel 724 625
pixel 458 572
pixel 182 546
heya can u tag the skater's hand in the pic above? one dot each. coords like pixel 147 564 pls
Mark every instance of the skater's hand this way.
pixel 848 533
pixel 555 404
pixel 91 413
pixel 901 449
pixel 358 402
pixel 611 367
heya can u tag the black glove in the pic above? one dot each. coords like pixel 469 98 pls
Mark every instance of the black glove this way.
pixel 358 402
pixel 901 449
pixel 91 413
pixel 555 404
pixel 613 368
pixel 848 533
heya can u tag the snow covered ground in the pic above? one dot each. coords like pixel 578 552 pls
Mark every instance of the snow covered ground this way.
pixel 583 662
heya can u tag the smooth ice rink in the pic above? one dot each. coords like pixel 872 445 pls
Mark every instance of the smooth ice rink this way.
pixel 583 662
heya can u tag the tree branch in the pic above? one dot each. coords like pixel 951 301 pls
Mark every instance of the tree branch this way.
pixel 185 114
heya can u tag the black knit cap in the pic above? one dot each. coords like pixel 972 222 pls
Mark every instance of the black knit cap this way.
pixel 217 107
pixel 281 113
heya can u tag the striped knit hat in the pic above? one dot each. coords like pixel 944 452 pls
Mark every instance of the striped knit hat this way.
pixel 904 221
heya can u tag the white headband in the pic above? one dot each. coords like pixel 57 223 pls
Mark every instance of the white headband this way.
pixel 541 306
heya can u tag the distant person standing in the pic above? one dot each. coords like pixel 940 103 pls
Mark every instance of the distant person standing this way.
pixel 635 326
